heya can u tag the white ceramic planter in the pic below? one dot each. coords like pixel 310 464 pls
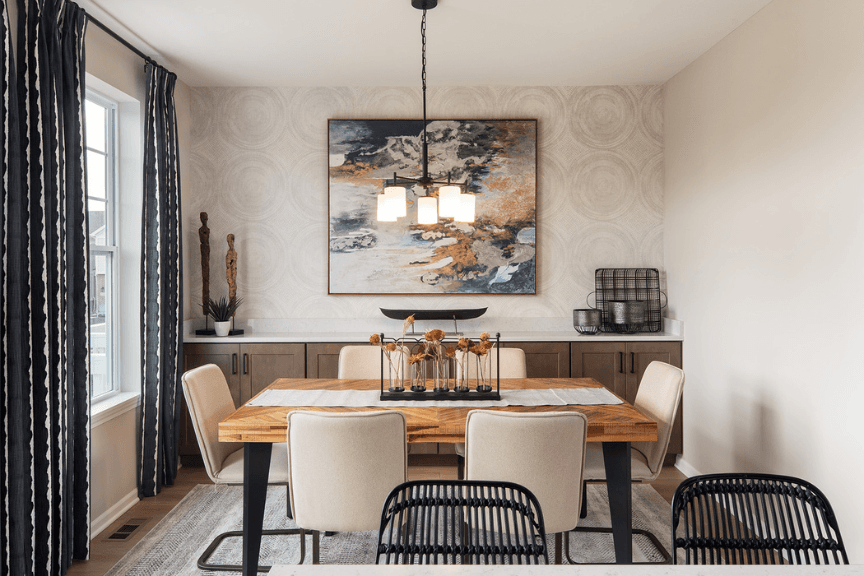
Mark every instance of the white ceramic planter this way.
pixel 222 328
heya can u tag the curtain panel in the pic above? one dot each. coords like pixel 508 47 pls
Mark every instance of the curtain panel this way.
pixel 45 464
pixel 161 287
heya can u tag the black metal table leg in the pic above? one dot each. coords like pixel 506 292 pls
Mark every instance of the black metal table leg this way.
pixel 256 468
pixel 616 456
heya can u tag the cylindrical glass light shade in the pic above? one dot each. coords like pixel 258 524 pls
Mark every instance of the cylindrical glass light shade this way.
pixel 465 213
pixel 448 201
pixel 427 210
pixel 397 195
pixel 386 209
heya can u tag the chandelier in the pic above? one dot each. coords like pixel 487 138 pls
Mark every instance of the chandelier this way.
pixel 453 201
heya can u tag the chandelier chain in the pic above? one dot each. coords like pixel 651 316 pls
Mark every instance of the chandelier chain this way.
pixel 423 37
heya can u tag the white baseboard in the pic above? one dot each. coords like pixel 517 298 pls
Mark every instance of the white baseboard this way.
pixel 106 518
pixel 686 468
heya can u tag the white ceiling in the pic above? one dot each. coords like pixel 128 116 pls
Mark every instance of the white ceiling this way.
pixel 377 42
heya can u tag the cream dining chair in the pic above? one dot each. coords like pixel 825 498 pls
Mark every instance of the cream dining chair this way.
pixel 542 451
pixel 364 362
pixel 209 401
pixel 341 468
pixel 659 397
pixel 512 366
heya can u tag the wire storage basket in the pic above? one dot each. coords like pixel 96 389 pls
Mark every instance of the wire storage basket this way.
pixel 628 285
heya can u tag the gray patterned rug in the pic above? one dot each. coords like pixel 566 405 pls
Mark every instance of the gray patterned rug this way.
pixel 174 544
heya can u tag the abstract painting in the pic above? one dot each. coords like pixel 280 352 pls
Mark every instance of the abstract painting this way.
pixel 495 254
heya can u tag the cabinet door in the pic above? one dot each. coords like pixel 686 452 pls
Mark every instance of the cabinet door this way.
pixel 603 361
pixel 544 359
pixel 639 355
pixel 227 358
pixel 263 363
pixel 322 359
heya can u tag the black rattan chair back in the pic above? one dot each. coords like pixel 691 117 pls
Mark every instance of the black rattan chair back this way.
pixel 461 522
pixel 754 519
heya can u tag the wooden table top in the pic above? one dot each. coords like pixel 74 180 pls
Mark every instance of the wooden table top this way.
pixel 429 423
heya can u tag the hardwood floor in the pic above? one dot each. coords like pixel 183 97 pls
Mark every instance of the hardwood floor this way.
pixel 105 552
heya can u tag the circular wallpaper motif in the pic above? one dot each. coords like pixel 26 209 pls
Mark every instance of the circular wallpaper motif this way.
pixel 459 102
pixel 254 117
pixel 203 107
pixel 651 180
pixel 604 116
pixel 396 103
pixel 307 179
pixel 652 115
pixel 262 252
pixel 253 186
pixel 605 186
pixel 601 246
pixel 545 104
pixel 552 181
pixel 311 108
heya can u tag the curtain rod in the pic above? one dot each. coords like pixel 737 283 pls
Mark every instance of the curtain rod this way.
pixel 120 39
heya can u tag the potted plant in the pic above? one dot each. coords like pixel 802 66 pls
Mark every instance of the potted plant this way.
pixel 222 311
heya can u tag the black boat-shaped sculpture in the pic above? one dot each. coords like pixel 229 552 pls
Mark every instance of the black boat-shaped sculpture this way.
pixel 454 314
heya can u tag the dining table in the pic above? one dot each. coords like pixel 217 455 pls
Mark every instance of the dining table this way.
pixel 258 427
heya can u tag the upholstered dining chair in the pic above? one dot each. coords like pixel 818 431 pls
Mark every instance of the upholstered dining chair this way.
pixel 512 366
pixel 362 362
pixel 659 397
pixel 342 466
pixel 542 451
pixel 209 401
pixel 512 363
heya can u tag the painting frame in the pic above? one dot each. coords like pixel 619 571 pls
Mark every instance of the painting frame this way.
pixel 496 254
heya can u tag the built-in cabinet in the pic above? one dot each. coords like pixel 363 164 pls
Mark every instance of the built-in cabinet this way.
pixel 620 365
pixel 248 368
pixel 322 358
pixel 251 367
pixel 544 359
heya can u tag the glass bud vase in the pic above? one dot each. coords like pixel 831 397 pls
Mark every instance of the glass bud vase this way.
pixel 440 373
pixel 460 380
pixel 484 372
pixel 396 371
pixel 418 376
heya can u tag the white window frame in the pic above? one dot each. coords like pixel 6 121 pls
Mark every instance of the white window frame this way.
pixel 110 247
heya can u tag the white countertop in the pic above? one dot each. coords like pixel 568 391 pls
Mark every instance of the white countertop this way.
pixel 580 570
pixel 359 330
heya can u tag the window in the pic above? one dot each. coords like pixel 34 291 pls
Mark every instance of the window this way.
pixel 100 136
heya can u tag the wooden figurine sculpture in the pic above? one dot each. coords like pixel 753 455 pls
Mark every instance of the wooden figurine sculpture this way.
pixel 231 269
pixel 204 237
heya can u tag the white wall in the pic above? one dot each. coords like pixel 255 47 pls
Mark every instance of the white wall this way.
pixel 764 238
pixel 114 442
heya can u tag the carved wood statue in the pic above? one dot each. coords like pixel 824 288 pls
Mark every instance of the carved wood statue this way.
pixel 231 268
pixel 204 237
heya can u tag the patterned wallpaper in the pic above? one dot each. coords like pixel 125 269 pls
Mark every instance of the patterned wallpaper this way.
pixel 259 169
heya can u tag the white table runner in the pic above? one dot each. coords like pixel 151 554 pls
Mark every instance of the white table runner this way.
pixel 371 398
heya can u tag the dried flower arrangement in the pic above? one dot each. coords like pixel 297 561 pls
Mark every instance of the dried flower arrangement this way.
pixel 431 357
pixel 394 351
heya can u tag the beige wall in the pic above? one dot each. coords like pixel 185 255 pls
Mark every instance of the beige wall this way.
pixel 114 443
pixel 259 168
pixel 764 238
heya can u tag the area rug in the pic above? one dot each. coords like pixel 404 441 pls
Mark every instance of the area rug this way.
pixel 173 546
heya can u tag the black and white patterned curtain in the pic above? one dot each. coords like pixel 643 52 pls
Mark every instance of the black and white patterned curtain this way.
pixel 45 465
pixel 161 287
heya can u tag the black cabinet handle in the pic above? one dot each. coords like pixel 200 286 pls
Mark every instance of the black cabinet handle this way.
pixel 621 362
pixel 233 363
pixel 245 363
pixel 632 363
